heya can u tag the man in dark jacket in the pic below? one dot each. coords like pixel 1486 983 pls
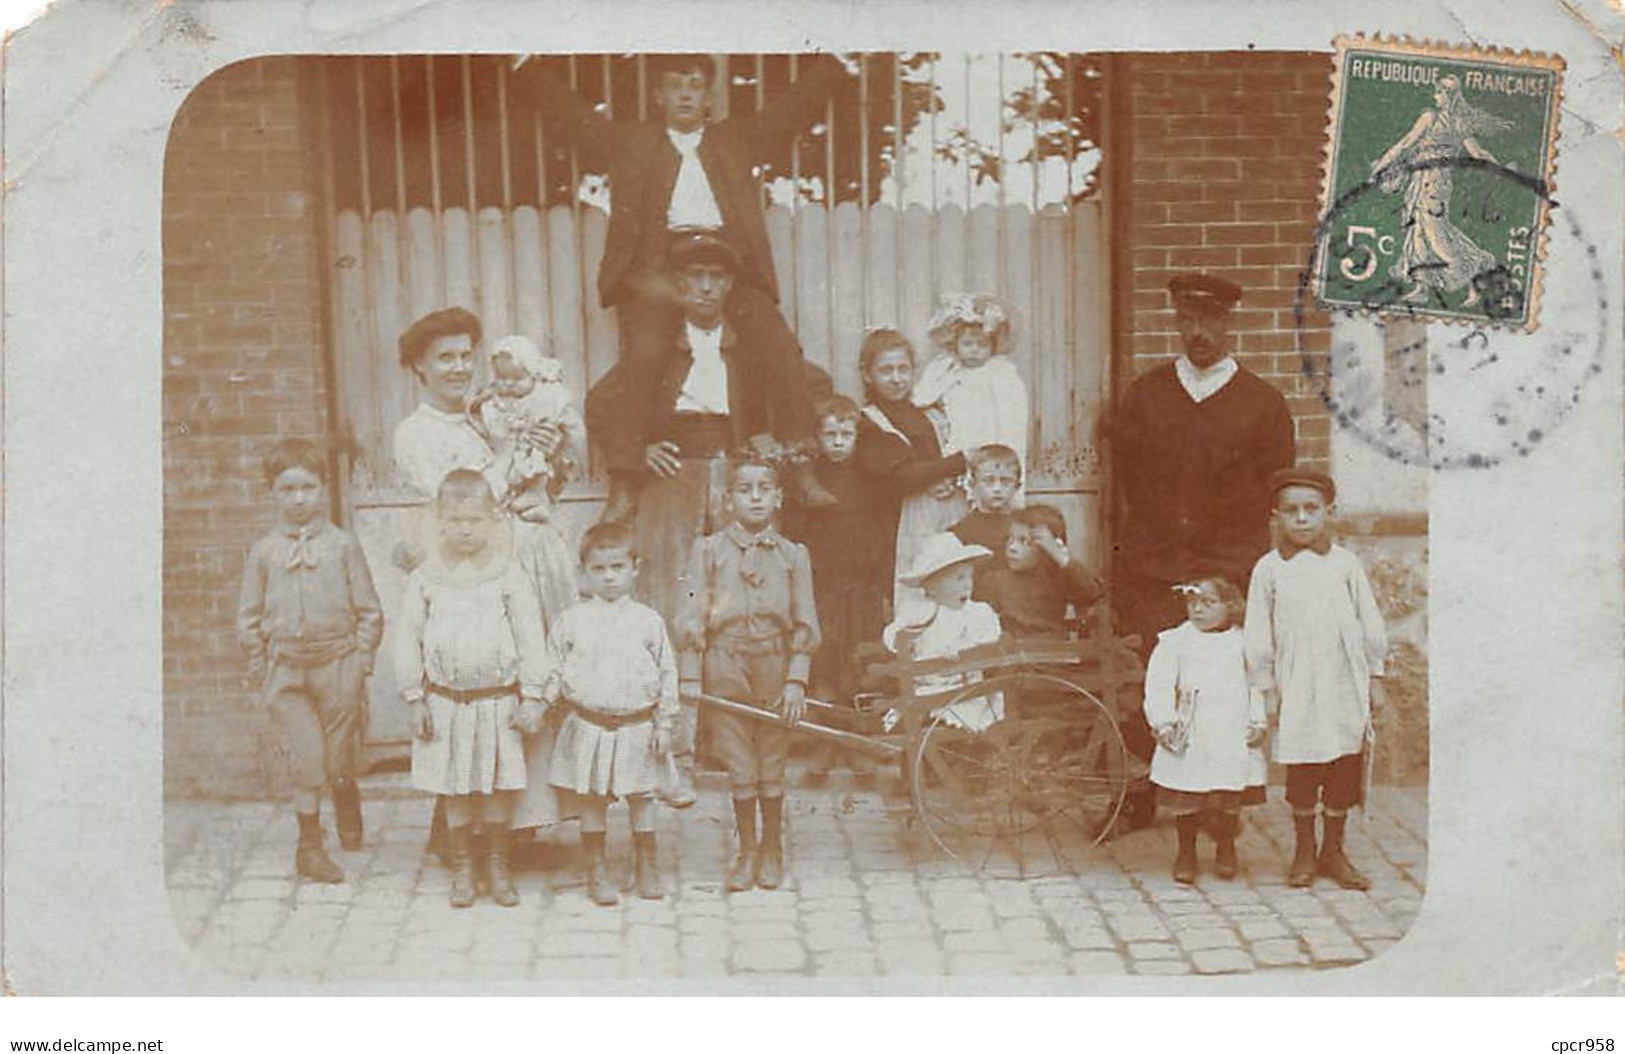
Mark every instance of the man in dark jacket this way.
pixel 1195 441
pixel 680 173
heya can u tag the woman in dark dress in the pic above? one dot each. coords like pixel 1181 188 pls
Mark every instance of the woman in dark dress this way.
pixel 913 483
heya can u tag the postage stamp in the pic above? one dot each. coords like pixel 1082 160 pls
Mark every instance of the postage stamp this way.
pixel 1439 165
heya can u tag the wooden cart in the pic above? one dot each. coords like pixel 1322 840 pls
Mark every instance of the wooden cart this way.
pixel 1024 768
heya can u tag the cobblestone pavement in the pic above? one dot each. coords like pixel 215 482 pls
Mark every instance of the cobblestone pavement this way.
pixel 868 895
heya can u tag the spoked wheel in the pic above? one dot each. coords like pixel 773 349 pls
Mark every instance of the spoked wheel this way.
pixel 1021 771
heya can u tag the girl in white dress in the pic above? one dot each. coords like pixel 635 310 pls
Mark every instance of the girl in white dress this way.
pixel 973 384
pixel 472 663
pixel 1209 723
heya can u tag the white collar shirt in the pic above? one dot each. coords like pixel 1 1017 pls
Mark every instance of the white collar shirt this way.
pixel 705 389
pixel 692 202
pixel 1201 384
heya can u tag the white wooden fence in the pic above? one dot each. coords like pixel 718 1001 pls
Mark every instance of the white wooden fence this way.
pixel 840 273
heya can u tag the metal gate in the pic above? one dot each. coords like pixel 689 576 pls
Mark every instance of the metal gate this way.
pixel 448 183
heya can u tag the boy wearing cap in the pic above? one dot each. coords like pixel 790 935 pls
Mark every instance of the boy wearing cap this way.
pixel 1194 442
pixel 747 632
pixel 1315 645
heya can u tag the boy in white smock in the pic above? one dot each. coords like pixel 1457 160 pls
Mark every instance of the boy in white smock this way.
pixel 1315 647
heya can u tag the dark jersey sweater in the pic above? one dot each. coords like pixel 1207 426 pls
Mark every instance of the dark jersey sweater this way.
pixel 1193 477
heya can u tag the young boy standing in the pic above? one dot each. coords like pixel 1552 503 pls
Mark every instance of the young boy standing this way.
pixel 840 539
pixel 309 622
pixel 1316 644
pixel 748 631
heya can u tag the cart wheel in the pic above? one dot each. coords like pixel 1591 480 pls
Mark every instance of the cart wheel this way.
pixel 1025 769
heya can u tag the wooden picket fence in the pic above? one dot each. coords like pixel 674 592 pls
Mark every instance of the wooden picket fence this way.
pixel 840 273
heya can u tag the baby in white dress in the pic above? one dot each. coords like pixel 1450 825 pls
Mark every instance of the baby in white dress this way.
pixel 946 623
pixel 527 388
pixel 972 387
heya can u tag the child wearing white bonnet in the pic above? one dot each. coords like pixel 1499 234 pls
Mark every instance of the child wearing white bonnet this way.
pixel 527 389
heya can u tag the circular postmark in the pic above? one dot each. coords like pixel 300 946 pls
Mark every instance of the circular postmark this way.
pixel 1467 393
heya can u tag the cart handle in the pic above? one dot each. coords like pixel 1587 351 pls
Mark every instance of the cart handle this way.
pixel 879 747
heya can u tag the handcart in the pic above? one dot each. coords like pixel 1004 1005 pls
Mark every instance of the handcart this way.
pixel 1011 752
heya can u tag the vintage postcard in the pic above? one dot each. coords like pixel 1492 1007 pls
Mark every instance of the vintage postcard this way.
pixel 751 502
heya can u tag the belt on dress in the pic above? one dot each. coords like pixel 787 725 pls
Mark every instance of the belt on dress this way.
pixel 464 696
pixel 745 644
pixel 611 722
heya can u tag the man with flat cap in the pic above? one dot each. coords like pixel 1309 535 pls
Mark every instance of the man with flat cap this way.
pixel 665 424
pixel 1194 443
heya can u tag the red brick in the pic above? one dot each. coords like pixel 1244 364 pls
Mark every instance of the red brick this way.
pixel 1204 168
pixel 1238 234
pixel 1202 212
pixel 1202 257
pixel 1169 234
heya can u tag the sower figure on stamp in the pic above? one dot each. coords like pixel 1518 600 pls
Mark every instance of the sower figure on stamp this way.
pixel 682 173
pixel 309 622
pixel 669 420
pixel 1195 442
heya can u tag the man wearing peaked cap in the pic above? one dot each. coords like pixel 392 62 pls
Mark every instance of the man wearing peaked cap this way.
pixel 691 247
pixel 1194 442
pixel 1203 292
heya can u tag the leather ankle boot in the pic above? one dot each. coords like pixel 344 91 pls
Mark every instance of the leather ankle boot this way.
pixel 1225 826
pixel 438 845
pixel 1333 863
pixel 647 865
pixel 347 813
pixel 1301 874
pixel 311 861
pixel 742 875
pixel 680 795
pixel 600 890
pixel 460 847
pixel 1185 827
pixel 770 857
pixel 500 875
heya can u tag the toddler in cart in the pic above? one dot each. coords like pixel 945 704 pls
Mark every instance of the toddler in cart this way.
pixel 1209 723
pixel 615 673
pixel 472 663
pixel 527 389
pixel 944 624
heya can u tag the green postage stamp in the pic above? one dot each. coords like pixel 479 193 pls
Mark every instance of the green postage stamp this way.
pixel 1438 181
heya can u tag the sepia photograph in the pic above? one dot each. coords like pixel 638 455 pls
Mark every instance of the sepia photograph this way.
pixel 891 485
pixel 801 510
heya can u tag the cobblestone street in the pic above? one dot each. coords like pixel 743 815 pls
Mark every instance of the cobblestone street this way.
pixel 868 895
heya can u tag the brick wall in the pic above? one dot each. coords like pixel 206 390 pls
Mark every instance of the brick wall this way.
pixel 242 366
pixel 1224 178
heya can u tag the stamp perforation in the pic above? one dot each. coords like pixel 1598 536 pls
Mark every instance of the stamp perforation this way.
pixel 1544 181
